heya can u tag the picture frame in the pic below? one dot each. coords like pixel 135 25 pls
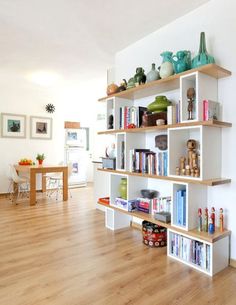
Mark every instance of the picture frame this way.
pixel 40 128
pixel 13 125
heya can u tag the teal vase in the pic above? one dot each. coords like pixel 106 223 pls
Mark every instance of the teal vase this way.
pixel 203 58
pixel 123 188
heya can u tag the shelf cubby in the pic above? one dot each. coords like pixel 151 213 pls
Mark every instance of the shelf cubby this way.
pixel 195 195
pixel 210 155
pixel 202 255
pixel 205 87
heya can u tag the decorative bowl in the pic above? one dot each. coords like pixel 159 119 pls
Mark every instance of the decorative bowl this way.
pixel 150 194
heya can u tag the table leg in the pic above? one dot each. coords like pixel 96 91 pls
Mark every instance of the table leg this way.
pixel 15 192
pixel 65 184
pixel 32 187
pixel 44 186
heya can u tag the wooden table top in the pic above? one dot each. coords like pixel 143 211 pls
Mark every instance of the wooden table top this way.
pixel 39 168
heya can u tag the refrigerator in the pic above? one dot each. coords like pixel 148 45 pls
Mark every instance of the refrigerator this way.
pixel 76 145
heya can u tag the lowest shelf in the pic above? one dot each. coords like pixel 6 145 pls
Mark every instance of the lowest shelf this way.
pixel 209 182
pixel 210 123
pixel 211 238
pixel 167 84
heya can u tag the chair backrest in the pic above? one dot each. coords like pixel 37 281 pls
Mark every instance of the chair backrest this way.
pixel 70 169
pixel 13 173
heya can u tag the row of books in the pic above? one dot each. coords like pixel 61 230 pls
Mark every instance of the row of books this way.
pixel 180 207
pixel 191 251
pixel 209 109
pixel 173 114
pixel 131 115
pixel 161 204
pixel 148 162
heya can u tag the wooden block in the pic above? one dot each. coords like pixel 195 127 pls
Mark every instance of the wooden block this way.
pixel 72 125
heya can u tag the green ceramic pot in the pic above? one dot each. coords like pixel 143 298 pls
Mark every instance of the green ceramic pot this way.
pixel 123 188
pixel 159 105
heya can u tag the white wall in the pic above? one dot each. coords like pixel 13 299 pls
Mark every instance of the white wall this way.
pixel 74 101
pixel 217 19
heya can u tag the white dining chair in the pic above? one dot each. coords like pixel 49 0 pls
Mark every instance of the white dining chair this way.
pixel 56 181
pixel 22 183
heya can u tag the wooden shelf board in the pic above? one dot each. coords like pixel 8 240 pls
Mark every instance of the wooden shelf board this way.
pixel 210 182
pixel 211 238
pixel 167 84
pixel 210 123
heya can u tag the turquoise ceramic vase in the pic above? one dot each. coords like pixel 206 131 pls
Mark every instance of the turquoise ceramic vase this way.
pixel 181 61
pixel 166 68
pixel 153 74
pixel 203 58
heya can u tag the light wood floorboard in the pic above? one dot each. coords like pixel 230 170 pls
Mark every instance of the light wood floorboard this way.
pixel 60 253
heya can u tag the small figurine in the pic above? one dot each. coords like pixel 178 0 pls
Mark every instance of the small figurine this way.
pixel 190 96
pixel 191 145
pixel 213 217
pixel 182 164
pixel 211 226
pixel 196 172
pixel 123 85
pixel 192 172
pixel 177 171
pixel 110 122
pixel 144 119
pixel 187 167
pixel 205 226
pixel 199 219
pixel 221 220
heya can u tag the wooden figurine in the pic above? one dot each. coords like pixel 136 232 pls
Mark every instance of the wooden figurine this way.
pixel 194 160
pixel 183 172
pixel 196 172
pixel 205 225
pixel 187 167
pixel 199 219
pixel 211 226
pixel 191 145
pixel 182 164
pixel 177 171
pixel 190 96
pixel 213 217
pixel 221 220
pixel 192 172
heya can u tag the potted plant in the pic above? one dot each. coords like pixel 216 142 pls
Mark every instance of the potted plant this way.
pixel 40 158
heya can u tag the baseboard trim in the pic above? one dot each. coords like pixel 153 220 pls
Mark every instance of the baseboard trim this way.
pixel 136 225
pixel 232 263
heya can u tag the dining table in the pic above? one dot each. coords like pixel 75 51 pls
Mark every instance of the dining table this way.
pixel 33 170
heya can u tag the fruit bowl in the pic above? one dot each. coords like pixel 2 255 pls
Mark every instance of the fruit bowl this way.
pixel 150 194
pixel 25 162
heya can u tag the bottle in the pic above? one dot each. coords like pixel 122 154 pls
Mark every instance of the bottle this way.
pixel 199 220
pixel 153 74
pixel 123 188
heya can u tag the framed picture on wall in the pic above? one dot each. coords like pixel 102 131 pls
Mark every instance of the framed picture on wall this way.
pixel 13 125
pixel 40 128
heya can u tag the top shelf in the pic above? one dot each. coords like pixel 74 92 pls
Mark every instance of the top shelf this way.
pixel 167 84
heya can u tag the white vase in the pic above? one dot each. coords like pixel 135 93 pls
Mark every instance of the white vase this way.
pixel 166 69
pixel 153 74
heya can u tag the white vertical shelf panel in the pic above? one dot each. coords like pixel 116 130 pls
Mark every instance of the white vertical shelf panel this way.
pixel 115 220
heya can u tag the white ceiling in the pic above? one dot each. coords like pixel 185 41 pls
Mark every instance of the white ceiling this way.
pixel 77 38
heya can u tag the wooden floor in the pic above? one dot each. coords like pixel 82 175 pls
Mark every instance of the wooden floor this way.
pixel 59 253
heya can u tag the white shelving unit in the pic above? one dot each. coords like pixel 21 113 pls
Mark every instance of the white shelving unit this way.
pixel 208 138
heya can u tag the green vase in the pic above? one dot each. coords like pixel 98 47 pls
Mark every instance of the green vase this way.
pixel 203 58
pixel 159 105
pixel 123 188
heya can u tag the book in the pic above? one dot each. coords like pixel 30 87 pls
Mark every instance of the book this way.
pixel 171 114
pixel 211 110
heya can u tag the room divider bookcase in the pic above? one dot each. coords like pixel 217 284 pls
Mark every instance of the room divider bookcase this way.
pixel 210 252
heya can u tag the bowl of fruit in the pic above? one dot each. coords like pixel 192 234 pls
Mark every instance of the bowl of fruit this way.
pixel 25 162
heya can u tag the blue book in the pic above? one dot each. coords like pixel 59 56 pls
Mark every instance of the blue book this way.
pixel 180 208
pixel 184 207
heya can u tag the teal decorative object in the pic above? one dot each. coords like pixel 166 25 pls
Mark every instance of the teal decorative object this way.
pixel 123 188
pixel 182 62
pixel 153 74
pixel 159 105
pixel 131 83
pixel 203 58
pixel 166 68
